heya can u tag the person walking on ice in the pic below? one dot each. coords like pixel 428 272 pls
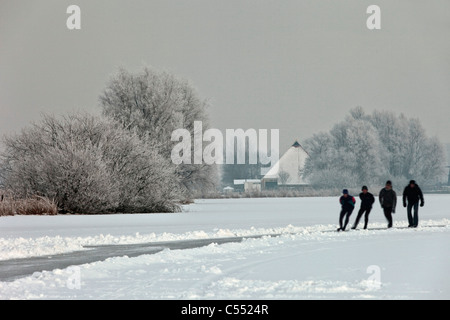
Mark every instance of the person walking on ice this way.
pixel 348 205
pixel 413 194
pixel 367 200
pixel 388 201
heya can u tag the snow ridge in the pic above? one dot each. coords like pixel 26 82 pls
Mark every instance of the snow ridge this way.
pixel 14 248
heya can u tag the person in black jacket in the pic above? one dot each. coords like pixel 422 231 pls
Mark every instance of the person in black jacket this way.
pixel 413 194
pixel 388 201
pixel 367 200
pixel 348 205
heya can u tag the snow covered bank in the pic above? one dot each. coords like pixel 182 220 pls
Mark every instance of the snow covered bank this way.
pixel 14 248
pixel 330 265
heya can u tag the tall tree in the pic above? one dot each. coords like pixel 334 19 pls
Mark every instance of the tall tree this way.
pixel 155 104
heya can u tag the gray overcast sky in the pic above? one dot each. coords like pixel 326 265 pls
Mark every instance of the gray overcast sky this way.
pixel 294 65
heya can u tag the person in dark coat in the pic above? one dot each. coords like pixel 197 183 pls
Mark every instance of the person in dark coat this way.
pixel 367 200
pixel 348 205
pixel 411 196
pixel 388 201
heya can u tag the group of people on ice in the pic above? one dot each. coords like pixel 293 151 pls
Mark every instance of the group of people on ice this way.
pixel 412 194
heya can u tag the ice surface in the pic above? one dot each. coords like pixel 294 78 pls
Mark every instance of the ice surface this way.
pixel 304 262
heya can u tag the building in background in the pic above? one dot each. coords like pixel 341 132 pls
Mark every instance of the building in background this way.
pixel 288 172
pixel 247 185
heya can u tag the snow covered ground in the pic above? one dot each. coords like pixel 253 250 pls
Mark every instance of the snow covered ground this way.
pixel 306 261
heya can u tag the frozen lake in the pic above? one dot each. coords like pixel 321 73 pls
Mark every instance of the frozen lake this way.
pixel 308 259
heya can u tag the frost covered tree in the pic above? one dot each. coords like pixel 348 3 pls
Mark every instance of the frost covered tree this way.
pixel 88 165
pixel 369 149
pixel 155 104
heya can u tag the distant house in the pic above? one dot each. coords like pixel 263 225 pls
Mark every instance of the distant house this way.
pixel 228 190
pixel 247 185
pixel 288 171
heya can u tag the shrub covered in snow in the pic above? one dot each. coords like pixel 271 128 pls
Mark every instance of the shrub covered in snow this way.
pixel 154 104
pixel 88 165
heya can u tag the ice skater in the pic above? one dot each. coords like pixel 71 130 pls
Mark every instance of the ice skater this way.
pixel 367 200
pixel 413 194
pixel 388 201
pixel 348 205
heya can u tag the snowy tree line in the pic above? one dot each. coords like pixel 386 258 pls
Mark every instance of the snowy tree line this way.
pixel 117 162
pixel 368 149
